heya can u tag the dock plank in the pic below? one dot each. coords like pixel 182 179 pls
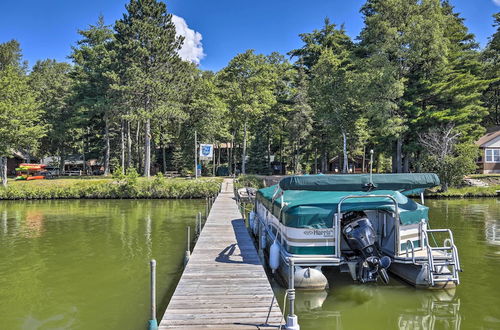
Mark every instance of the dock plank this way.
pixel 224 285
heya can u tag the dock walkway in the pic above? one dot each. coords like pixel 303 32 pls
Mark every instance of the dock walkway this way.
pixel 224 284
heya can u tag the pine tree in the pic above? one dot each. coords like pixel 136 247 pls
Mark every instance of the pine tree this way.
pixel 491 60
pixel 147 46
pixel 94 61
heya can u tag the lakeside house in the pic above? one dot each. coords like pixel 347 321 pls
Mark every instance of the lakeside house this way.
pixel 16 158
pixel 489 144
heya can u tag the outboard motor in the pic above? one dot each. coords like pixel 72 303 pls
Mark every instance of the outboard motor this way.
pixel 361 238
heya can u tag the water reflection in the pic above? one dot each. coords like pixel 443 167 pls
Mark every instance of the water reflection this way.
pixel 492 231
pixel 345 306
pixel 439 310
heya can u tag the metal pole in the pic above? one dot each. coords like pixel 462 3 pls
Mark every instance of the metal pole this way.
pixel 371 166
pixel 188 251
pixel 199 224
pixel 153 324
pixel 195 155
pixel 292 322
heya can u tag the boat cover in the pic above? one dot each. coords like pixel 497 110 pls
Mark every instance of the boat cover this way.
pixel 360 182
pixel 316 209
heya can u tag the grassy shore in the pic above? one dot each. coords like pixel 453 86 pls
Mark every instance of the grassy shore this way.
pixel 465 192
pixel 107 188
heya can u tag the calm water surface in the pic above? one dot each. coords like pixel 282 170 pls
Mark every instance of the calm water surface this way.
pixel 474 304
pixel 84 264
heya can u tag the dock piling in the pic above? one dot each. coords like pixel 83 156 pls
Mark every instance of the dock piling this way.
pixel 292 322
pixel 188 251
pixel 153 324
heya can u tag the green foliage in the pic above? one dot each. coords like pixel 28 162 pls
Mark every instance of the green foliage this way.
pixel 491 59
pixel 253 181
pixel 452 168
pixel 51 83
pixel 130 187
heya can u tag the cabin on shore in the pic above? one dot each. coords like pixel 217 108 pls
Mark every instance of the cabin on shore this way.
pixel 13 162
pixel 489 144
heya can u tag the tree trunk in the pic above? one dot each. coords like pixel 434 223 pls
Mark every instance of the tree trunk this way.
pixel 163 155
pixel 244 149
pixel 129 145
pixel 84 162
pixel 399 144
pixel 345 164
pixel 107 150
pixel 232 168
pixel 61 160
pixel 324 163
pixel 316 161
pixel 122 136
pixel 28 155
pixel 147 148
pixel 406 163
pixel 213 158
pixel 364 158
pixel 3 170
pixel 268 150
pixel 138 154
pixel 218 155
pixel 229 170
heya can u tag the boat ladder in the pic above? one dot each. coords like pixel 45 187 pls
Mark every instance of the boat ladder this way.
pixel 442 261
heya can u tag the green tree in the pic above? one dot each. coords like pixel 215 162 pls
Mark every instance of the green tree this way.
pixel 19 112
pixel 332 92
pixel 491 59
pixel 52 85
pixel 248 81
pixel 94 60
pixel 147 46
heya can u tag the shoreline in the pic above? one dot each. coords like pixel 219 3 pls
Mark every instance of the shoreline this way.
pixel 109 188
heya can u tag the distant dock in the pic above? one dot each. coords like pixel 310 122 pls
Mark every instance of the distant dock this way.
pixel 224 285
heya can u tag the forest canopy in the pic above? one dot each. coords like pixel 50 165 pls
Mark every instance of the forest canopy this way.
pixel 127 98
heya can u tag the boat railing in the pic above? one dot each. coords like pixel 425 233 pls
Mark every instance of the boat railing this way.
pixel 409 243
pixel 452 259
pixel 396 211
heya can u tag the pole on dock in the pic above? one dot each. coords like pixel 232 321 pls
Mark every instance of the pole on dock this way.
pixel 199 223
pixel 195 155
pixel 292 322
pixel 188 251
pixel 153 324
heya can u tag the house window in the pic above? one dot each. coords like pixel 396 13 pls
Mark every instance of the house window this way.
pixel 493 155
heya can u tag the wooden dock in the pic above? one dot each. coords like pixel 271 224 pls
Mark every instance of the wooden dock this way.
pixel 224 285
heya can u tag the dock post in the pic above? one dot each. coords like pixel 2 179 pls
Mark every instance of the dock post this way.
pixel 199 223
pixel 153 324
pixel 292 322
pixel 188 251
pixel 260 249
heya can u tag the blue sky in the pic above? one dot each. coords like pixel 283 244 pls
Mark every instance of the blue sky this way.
pixel 48 29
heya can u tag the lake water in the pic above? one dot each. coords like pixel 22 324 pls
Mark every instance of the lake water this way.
pixel 84 265
pixel 474 304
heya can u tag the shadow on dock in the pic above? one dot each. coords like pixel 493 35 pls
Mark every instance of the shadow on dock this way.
pixel 227 255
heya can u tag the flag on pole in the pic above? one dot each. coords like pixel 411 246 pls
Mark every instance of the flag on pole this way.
pixel 206 151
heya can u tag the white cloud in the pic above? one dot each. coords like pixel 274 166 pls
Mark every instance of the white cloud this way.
pixel 496 2
pixel 192 49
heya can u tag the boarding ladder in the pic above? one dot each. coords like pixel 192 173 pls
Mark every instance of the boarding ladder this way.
pixel 442 261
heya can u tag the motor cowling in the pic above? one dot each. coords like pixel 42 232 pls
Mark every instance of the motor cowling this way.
pixel 361 238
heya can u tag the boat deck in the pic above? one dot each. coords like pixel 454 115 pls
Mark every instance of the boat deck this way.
pixel 224 285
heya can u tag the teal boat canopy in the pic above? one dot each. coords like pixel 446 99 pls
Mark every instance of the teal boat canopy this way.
pixel 317 208
pixel 360 182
